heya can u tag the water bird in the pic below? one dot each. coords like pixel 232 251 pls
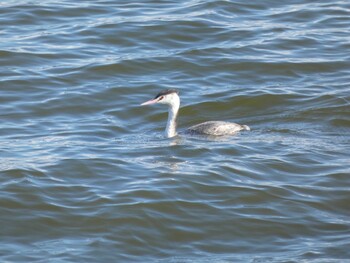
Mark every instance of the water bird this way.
pixel 171 98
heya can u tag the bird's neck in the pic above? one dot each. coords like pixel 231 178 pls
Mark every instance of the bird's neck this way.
pixel 170 130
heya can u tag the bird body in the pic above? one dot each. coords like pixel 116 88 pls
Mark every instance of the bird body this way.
pixel 216 128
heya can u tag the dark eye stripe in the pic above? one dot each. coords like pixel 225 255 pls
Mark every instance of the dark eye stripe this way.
pixel 166 92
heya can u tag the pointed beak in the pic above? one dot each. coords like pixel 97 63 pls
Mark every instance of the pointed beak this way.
pixel 150 102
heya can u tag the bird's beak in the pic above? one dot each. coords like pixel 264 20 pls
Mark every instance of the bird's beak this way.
pixel 150 102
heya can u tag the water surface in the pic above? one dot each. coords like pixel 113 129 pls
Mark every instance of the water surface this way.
pixel 86 174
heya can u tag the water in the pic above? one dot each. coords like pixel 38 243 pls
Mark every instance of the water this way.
pixel 86 174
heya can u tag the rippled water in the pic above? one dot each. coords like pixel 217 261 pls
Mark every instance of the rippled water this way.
pixel 86 174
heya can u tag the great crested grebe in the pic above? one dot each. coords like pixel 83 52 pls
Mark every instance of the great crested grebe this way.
pixel 217 128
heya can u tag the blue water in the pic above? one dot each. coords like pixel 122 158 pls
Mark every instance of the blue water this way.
pixel 87 175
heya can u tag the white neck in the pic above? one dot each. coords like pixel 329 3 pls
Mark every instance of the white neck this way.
pixel 170 130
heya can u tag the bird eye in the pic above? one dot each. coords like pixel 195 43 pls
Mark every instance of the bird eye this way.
pixel 160 98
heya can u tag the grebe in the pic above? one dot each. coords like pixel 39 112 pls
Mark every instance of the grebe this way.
pixel 217 128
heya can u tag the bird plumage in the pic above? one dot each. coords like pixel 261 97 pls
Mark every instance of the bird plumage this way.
pixel 217 128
